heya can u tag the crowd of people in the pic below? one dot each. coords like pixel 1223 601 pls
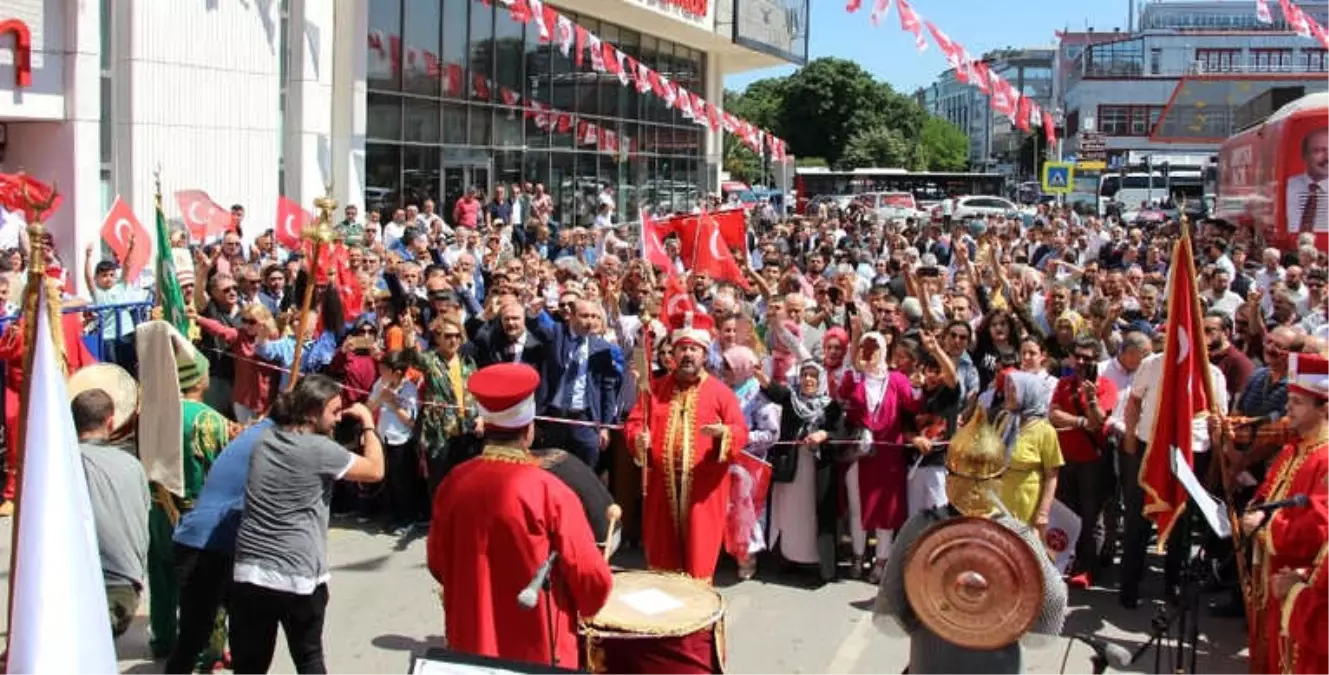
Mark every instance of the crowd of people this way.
pixel 845 358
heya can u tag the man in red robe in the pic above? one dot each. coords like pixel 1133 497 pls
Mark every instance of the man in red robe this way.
pixel 496 520
pixel 12 351
pixel 1304 595
pixel 1287 635
pixel 685 430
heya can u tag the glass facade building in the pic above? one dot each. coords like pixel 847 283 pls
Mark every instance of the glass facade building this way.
pixel 460 94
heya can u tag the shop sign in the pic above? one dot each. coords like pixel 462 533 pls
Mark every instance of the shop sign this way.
pixel 22 50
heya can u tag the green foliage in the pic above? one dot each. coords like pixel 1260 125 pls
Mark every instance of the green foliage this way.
pixel 811 162
pixel 834 110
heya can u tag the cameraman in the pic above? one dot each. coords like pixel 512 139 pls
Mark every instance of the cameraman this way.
pixel 1081 405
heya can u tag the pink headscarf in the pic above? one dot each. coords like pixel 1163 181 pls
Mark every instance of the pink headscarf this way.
pixel 741 360
pixel 835 333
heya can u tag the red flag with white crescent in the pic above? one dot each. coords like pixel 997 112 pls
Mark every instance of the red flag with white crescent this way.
pixel 118 230
pixel 676 299
pixel 291 222
pixel 1262 11
pixel 880 9
pixel 1182 394
pixel 652 243
pixel 202 216
pixel 713 256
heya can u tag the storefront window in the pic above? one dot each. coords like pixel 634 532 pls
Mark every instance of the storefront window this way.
pixel 460 93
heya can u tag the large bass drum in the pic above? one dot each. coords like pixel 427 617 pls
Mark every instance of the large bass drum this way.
pixel 657 622
pixel 122 388
pixel 974 582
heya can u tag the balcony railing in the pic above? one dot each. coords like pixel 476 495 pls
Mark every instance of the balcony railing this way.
pixel 1131 68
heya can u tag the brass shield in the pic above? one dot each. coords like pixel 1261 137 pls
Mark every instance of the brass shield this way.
pixel 974 582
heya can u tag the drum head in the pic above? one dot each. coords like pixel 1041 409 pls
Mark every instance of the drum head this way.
pixel 656 604
pixel 115 381
pixel 974 583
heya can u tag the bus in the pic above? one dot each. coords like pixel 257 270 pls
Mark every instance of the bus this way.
pixel 926 186
pixel 1127 190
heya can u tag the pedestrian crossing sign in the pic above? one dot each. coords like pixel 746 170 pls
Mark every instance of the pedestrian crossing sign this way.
pixel 1058 178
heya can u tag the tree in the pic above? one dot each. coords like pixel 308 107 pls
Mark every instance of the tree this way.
pixel 759 103
pixel 942 146
pixel 878 146
pixel 827 102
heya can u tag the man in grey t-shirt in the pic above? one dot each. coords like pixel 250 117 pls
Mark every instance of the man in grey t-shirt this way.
pixel 281 550
pixel 118 491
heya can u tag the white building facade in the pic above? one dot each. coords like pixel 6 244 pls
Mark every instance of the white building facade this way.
pixel 1173 86
pixel 389 102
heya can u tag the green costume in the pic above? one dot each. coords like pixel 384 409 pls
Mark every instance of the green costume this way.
pixel 446 423
pixel 205 434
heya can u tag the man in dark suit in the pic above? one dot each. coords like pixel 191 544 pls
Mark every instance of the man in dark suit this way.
pixel 584 378
pixel 506 340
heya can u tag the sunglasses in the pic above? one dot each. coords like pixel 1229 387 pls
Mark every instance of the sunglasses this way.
pixel 367 330
pixel 227 289
pixel 250 321
pixel 450 336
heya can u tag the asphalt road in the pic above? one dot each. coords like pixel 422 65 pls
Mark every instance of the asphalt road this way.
pixel 384 607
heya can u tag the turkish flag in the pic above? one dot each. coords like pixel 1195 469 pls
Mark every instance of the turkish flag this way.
pixel 1182 393
pixel 121 227
pixel 733 228
pixel 652 243
pixel 713 256
pixel 291 222
pixel 202 216
pixel 676 299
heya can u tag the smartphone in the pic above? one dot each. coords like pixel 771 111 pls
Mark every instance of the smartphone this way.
pixel 1091 371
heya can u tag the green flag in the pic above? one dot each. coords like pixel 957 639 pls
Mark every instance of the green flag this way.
pixel 169 296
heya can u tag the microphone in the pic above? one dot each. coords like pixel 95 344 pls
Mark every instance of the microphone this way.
pixel 1113 655
pixel 529 596
pixel 1298 501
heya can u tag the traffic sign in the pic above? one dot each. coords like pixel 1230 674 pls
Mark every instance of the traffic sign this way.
pixel 1090 165
pixel 1058 178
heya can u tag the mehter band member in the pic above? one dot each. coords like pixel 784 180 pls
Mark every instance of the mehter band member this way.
pixel 967 581
pixel 496 520
pixel 685 429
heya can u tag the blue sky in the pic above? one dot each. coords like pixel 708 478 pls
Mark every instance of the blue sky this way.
pixel 980 25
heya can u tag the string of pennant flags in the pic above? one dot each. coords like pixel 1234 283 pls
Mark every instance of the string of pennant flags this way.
pixel 581 45
pixel 1023 111
pixel 1300 22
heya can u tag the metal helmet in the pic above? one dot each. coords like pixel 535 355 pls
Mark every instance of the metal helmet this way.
pixel 975 462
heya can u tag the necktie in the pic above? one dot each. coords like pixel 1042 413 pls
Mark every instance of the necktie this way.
pixel 570 373
pixel 1309 209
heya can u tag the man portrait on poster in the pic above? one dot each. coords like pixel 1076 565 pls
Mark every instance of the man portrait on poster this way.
pixel 1308 193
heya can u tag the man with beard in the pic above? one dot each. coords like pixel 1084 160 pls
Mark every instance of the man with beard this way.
pixel 684 431
pixel 1307 207
pixel 1287 633
pixel 1236 367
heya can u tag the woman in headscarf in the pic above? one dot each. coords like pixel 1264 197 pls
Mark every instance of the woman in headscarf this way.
pixel 805 497
pixel 1068 326
pixel 743 531
pixel 834 347
pixel 873 397
pixel 1034 455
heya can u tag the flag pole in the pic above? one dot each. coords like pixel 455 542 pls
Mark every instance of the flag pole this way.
pixel 157 311
pixel 1219 445
pixel 32 303
pixel 320 234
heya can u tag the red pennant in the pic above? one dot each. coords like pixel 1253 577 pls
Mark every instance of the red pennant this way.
pixel 121 227
pixel 713 256
pixel 652 243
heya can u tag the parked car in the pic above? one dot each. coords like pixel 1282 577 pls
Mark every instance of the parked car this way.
pixel 893 205
pixel 841 202
pixel 982 207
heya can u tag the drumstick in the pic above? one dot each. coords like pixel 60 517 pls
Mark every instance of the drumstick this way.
pixel 613 513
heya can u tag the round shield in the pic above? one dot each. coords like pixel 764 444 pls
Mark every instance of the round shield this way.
pixel 974 583
pixel 115 381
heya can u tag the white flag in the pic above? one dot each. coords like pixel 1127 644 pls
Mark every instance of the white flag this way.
pixel 60 623
pixel 1262 11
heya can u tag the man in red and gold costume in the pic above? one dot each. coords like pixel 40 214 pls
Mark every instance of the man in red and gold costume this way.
pixel 1304 594
pixel 1287 634
pixel 685 430
pixel 497 518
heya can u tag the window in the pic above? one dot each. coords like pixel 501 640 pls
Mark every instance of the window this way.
pixel 1271 60
pixel 1314 60
pixel 1218 60
pixel 1124 58
pixel 1155 61
pixel 1128 120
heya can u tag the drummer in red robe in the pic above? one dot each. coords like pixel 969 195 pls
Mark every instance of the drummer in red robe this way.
pixel 12 349
pixel 496 519
pixel 1288 634
pixel 686 430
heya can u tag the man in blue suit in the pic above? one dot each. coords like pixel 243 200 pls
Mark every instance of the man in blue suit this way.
pixel 583 376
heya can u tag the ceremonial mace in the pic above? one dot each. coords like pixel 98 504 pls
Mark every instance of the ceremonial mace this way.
pixel 320 233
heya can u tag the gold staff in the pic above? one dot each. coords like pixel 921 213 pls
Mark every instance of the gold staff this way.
pixel 321 234
pixel 36 277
